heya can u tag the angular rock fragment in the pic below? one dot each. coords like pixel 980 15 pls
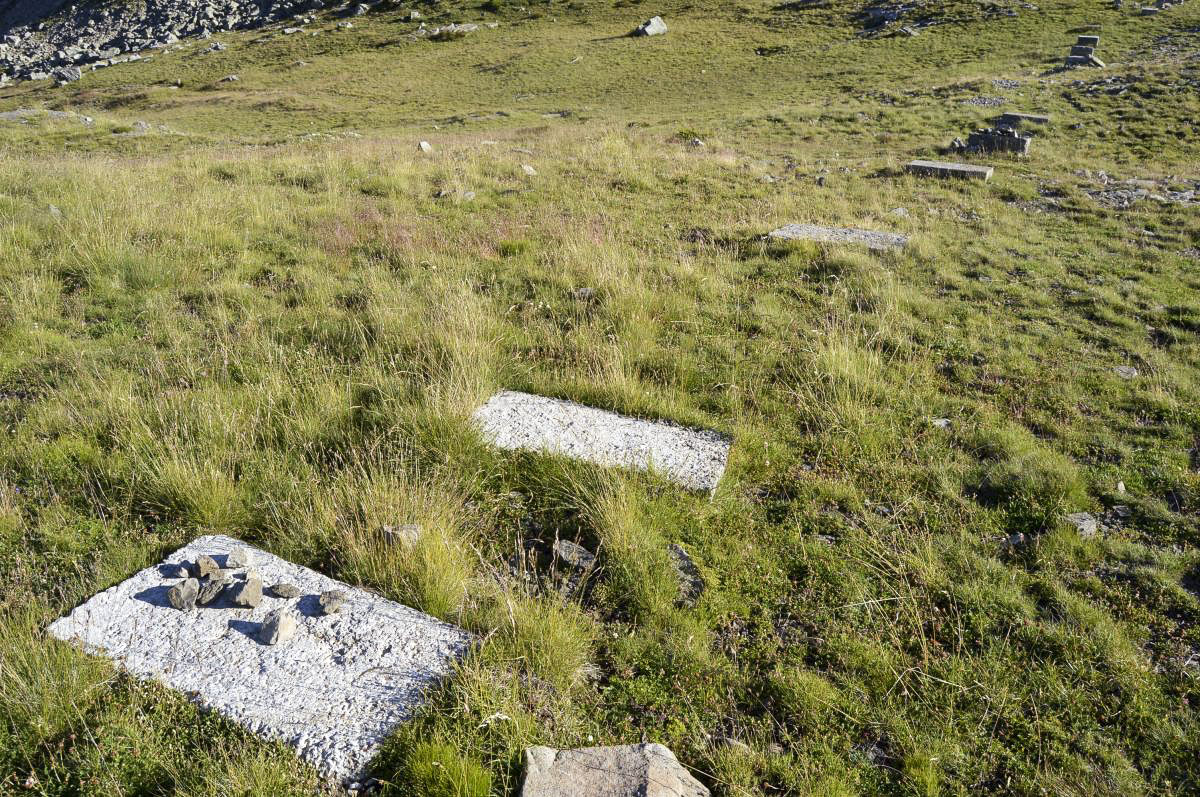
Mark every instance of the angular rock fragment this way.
pixel 206 566
pixel 247 593
pixel 574 555
pixel 183 595
pixel 209 591
pixel 278 626
pixel 634 770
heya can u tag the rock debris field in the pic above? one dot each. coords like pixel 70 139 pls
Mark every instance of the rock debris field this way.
pixel 333 690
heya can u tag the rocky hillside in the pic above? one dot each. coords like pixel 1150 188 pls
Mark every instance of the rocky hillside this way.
pixel 49 39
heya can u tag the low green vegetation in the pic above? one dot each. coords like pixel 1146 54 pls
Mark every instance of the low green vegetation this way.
pixel 264 313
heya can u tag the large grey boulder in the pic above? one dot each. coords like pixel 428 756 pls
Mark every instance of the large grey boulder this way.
pixel 651 27
pixel 632 770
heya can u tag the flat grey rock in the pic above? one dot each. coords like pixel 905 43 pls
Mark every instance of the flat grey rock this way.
pixel 334 692
pixel 693 458
pixel 633 770
pixel 840 235
pixel 1015 119
pixel 949 169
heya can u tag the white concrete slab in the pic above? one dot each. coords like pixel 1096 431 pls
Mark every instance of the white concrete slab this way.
pixel 840 235
pixel 333 691
pixel 693 458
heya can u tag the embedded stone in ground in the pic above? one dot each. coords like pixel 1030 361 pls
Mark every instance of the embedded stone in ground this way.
pixel 645 770
pixel 1085 523
pixel 948 169
pixel 691 583
pixel 840 235
pixel 693 458
pixel 333 692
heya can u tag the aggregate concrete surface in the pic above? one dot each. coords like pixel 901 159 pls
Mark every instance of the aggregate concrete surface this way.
pixel 840 235
pixel 693 458
pixel 333 692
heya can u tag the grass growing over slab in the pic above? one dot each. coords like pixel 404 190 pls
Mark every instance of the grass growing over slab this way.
pixel 284 342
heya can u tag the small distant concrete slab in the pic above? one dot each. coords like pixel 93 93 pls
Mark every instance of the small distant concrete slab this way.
pixel 333 691
pixel 1014 119
pixel 513 421
pixel 840 235
pixel 948 169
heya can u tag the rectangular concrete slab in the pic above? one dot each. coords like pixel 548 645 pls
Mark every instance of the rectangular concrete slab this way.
pixel 1014 119
pixel 948 169
pixel 693 458
pixel 333 691
pixel 840 235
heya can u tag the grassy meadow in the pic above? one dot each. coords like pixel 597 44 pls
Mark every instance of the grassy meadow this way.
pixel 265 313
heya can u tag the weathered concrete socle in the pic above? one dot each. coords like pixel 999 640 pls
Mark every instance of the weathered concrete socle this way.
pixel 333 691
pixel 948 169
pixel 1014 119
pixel 633 770
pixel 840 235
pixel 694 458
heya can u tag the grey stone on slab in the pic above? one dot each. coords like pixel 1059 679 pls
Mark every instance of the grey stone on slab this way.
pixel 691 583
pixel 693 458
pixel 285 591
pixel 334 692
pixel 278 626
pixel 247 593
pixel 209 591
pixel 632 770
pixel 239 557
pixel 332 601
pixel 205 567
pixel 840 235
pixel 948 169
pixel 184 594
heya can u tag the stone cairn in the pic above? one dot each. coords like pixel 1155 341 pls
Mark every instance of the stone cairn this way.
pixel 1001 138
pixel 1083 53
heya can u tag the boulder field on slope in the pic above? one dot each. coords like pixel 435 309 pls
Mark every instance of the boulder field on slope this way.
pixel 48 38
